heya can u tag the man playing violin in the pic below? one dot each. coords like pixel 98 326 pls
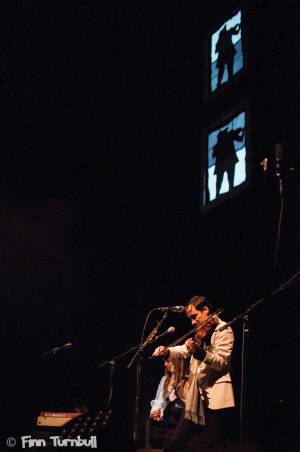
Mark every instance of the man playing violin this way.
pixel 209 394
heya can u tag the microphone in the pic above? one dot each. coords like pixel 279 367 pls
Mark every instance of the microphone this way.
pixel 67 345
pixel 178 309
pixel 57 349
pixel 170 330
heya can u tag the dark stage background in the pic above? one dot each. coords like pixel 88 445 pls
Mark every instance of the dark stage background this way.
pixel 102 113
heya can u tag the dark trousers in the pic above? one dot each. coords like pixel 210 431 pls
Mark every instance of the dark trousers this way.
pixel 211 434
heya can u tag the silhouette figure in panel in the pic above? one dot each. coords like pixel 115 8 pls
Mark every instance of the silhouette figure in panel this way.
pixel 226 51
pixel 225 155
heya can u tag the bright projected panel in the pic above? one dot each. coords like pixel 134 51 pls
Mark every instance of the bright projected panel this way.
pixel 226 158
pixel 226 52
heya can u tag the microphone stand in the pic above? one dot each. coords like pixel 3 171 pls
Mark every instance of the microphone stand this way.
pixel 278 154
pixel 245 330
pixel 112 364
pixel 139 357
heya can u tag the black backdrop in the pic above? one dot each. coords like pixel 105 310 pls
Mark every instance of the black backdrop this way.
pixel 102 113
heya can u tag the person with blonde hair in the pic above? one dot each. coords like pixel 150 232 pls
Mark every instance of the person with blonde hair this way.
pixel 170 394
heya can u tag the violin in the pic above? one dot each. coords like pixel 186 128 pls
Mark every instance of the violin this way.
pixel 203 328
pixel 199 332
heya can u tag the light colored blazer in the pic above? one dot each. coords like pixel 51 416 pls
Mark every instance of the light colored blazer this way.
pixel 213 375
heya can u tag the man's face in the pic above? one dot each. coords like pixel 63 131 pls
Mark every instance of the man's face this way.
pixel 197 316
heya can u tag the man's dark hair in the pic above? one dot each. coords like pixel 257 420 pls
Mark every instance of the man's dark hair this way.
pixel 199 302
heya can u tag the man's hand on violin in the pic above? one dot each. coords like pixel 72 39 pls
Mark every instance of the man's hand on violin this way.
pixel 191 345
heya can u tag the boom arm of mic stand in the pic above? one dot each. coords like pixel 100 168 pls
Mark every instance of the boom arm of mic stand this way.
pixel 280 288
pixel 116 358
pixel 148 341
